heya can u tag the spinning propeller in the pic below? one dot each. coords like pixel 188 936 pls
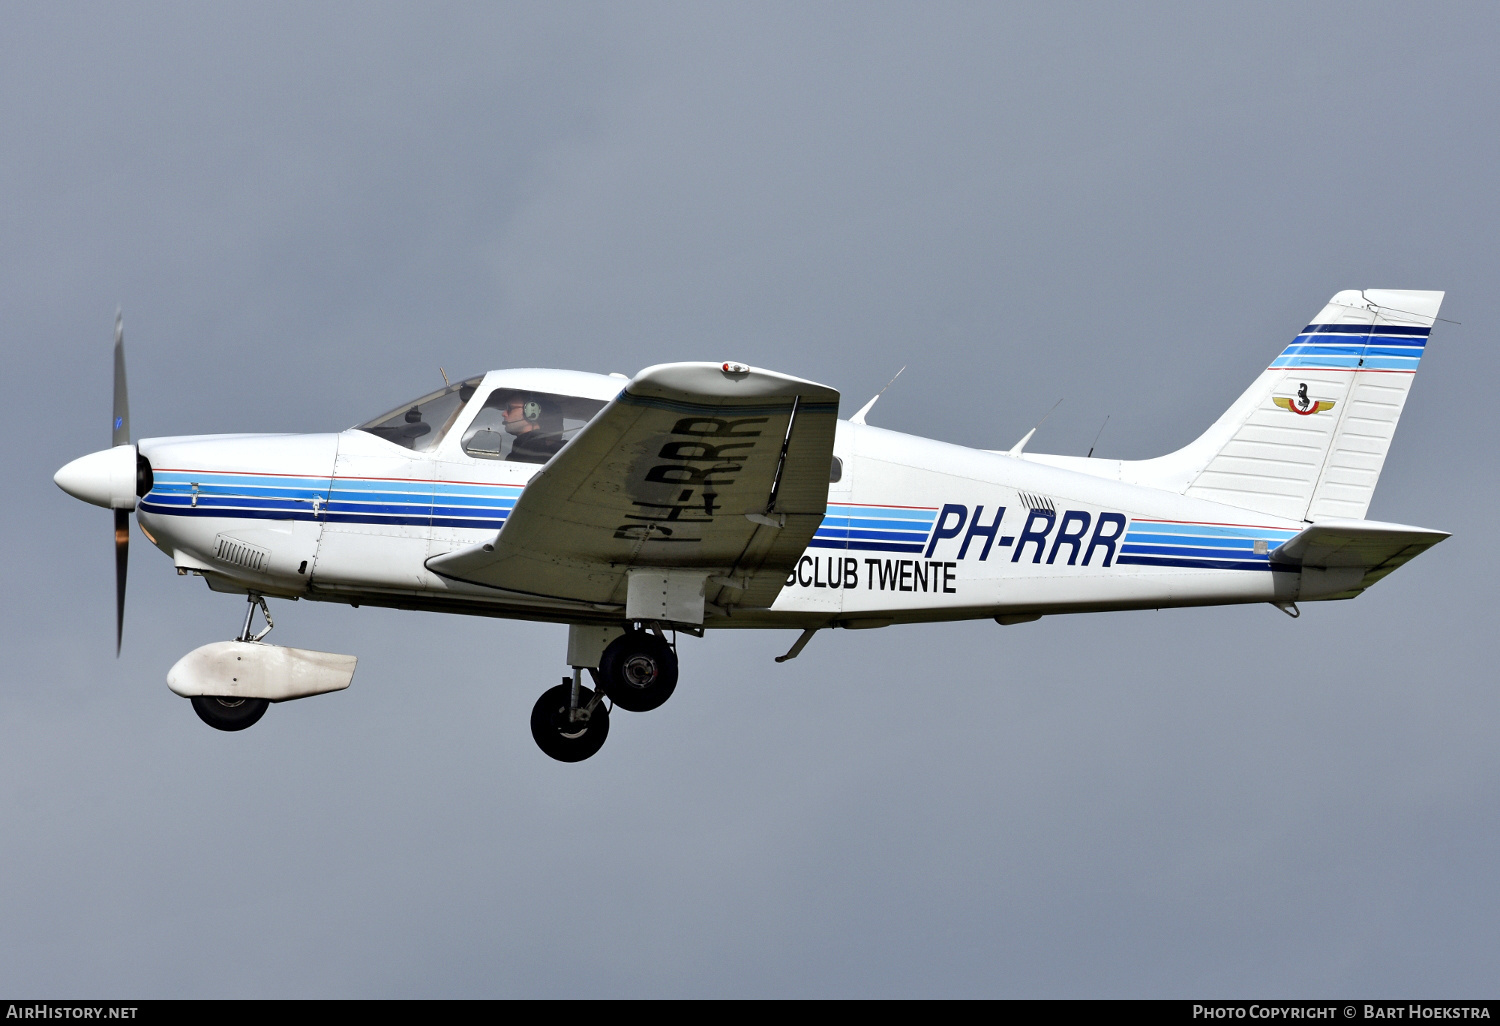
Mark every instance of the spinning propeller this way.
pixel 113 478
pixel 121 436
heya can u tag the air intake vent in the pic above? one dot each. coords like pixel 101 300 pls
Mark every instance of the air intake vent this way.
pixel 1037 502
pixel 236 552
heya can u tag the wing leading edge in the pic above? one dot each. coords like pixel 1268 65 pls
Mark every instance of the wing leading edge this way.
pixel 705 475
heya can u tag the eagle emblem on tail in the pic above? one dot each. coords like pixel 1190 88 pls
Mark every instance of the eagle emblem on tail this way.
pixel 1301 404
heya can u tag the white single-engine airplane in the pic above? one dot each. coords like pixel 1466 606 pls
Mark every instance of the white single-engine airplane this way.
pixel 699 495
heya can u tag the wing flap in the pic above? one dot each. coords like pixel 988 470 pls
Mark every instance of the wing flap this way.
pixel 670 475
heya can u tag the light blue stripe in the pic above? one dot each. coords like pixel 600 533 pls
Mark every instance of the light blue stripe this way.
pixel 219 477
pixel 453 488
pixel 1345 362
pixel 925 515
pixel 344 484
pixel 1226 544
pixel 894 525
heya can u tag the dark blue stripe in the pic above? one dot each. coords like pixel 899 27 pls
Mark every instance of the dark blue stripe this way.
pixel 1364 329
pixel 1205 564
pixel 381 509
pixel 247 514
pixel 227 501
pixel 492 525
pixel 884 547
pixel 900 536
pixel 1220 552
pixel 830 543
pixel 421 520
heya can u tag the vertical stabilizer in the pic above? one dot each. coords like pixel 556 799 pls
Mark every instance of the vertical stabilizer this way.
pixel 1307 440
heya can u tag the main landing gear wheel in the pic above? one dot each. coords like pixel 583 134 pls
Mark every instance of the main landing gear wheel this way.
pixel 229 713
pixel 638 671
pixel 563 738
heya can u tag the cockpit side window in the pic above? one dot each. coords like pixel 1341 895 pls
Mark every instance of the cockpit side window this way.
pixel 422 423
pixel 526 427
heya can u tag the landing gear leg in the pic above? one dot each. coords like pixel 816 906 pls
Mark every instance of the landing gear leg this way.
pixel 234 712
pixel 253 599
pixel 570 722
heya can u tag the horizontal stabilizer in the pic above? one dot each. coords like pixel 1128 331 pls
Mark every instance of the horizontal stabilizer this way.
pixel 1366 543
pixel 1341 558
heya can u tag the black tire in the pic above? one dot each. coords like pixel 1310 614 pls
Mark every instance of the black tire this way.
pixel 561 739
pixel 229 713
pixel 638 671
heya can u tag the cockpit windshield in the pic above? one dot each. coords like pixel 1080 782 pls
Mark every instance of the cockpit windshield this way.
pixel 422 423
pixel 526 427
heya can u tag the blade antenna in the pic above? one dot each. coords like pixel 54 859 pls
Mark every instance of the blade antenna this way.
pixel 1015 450
pixel 859 418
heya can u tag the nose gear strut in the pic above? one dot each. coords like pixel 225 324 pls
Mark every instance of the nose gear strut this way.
pixel 254 599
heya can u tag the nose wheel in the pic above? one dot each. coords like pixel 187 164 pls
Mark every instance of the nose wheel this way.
pixel 229 713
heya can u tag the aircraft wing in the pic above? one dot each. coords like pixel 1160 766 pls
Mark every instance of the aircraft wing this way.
pixel 1375 547
pixel 717 470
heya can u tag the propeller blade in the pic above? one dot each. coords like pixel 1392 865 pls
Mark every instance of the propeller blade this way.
pixel 120 436
pixel 121 420
pixel 122 557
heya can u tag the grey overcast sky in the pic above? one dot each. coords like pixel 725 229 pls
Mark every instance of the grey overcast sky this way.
pixel 305 210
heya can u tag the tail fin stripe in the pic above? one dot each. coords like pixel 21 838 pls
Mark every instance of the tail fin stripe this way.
pixel 1409 345
pixel 1361 352
pixel 1364 329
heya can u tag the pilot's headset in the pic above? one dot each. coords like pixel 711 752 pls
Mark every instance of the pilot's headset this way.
pixel 531 410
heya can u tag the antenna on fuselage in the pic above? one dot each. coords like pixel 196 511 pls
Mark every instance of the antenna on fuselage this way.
pixel 445 378
pixel 859 418
pixel 1015 450
pixel 1096 437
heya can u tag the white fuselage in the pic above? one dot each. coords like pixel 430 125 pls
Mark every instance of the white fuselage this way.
pixel 915 529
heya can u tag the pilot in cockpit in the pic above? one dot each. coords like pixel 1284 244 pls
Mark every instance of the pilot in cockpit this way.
pixel 535 426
